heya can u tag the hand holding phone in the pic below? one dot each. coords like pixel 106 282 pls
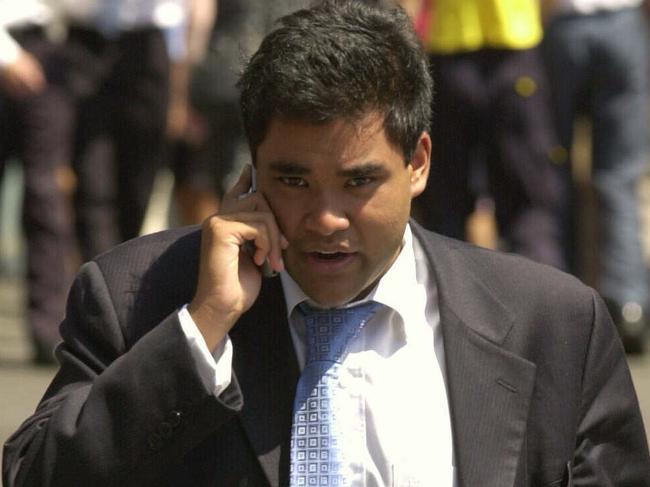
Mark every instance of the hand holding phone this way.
pixel 236 245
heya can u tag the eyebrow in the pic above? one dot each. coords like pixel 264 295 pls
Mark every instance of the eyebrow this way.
pixel 289 168
pixel 365 169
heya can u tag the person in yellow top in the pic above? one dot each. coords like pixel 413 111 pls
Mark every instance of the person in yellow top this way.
pixel 467 25
pixel 494 133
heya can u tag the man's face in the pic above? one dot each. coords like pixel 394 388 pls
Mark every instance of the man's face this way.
pixel 341 194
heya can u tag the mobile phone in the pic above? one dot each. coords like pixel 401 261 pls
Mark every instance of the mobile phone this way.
pixel 267 270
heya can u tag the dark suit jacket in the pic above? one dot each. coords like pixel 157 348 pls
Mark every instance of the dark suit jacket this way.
pixel 539 390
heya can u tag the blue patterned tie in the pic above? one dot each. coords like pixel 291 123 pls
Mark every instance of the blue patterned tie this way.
pixel 327 435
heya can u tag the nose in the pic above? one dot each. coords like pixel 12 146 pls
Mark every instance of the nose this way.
pixel 326 215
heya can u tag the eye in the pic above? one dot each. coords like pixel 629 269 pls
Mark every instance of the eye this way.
pixel 293 181
pixel 358 182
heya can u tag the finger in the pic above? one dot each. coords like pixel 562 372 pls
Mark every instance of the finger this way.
pixel 268 241
pixel 253 202
pixel 244 233
pixel 279 241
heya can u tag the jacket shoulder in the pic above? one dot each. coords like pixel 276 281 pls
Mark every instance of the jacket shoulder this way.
pixel 502 268
pixel 142 252
pixel 149 277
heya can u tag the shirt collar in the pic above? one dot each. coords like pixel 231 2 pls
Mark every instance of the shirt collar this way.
pixel 389 291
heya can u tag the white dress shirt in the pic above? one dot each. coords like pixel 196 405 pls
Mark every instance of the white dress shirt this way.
pixel 112 16
pixel 396 363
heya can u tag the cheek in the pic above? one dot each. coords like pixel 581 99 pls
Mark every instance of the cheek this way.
pixel 384 224
pixel 391 209
pixel 383 229
pixel 285 213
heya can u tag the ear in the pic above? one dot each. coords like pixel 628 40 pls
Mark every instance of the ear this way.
pixel 420 164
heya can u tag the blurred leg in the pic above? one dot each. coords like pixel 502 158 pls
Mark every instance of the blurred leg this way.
pixel 94 165
pixel 42 125
pixel 227 150
pixel 140 88
pixel 620 154
pixel 46 215
pixel 448 200
pixel 566 58
pixel 90 59
pixel 194 194
pixel 525 183
pixel 209 166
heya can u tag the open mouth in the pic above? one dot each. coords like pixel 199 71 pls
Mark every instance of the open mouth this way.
pixel 330 262
pixel 330 256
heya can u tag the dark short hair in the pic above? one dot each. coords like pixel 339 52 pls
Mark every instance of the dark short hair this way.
pixel 339 59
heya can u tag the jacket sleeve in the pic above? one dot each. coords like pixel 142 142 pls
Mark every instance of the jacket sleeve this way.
pixel 612 448
pixel 114 414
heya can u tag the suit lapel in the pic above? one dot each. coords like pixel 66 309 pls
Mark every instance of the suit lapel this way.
pixel 265 364
pixel 489 395
pixel 489 387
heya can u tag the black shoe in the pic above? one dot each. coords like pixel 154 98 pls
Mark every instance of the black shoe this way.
pixel 631 323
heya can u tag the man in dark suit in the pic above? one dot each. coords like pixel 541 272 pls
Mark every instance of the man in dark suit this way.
pixel 476 369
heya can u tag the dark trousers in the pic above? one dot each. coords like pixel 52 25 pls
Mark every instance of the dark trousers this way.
pixel 215 164
pixel 492 132
pixel 120 87
pixel 36 131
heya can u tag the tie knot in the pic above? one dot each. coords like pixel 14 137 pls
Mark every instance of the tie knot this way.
pixel 329 331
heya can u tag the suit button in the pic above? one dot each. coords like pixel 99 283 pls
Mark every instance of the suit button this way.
pixel 243 482
pixel 155 441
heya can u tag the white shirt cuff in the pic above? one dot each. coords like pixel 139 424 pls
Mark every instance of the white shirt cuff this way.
pixel 215 368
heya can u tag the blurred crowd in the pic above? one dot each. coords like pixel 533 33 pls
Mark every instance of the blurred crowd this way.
pixel 97 96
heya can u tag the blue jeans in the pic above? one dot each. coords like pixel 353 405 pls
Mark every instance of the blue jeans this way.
pixel 599 64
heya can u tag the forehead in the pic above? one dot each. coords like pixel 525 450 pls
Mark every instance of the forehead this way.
pixel 344 141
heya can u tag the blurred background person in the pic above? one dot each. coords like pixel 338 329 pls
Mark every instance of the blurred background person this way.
pixel 596 52
pixel 119 78
pixel 194 195
pixel 99 100
pixel 213 149
pixel 493 139
pixel 35 125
